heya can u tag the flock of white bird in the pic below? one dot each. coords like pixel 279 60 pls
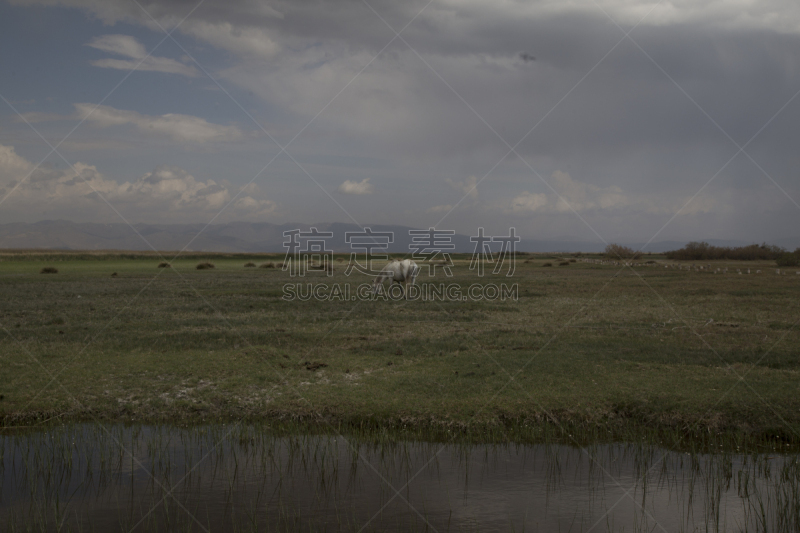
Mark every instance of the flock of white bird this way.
pixel 677 266
pixel 404 272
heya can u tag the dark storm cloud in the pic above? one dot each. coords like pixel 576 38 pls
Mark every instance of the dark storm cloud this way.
pixel 740 77
pixel 651 114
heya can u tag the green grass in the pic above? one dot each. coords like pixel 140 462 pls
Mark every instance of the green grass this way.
pixel 655 349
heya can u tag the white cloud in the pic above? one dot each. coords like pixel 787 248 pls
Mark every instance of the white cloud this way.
pixel 127 46
pixel 12 165
pixel 776 15
pixel 468 187
pixel 528 202
pixel 579 196
pixel 584 196
pixel 182 128
pixel 356 187
pixel 164 194
pixel 179 188
pixel 241 40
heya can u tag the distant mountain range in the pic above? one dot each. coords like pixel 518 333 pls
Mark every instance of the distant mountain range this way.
pixel 261 237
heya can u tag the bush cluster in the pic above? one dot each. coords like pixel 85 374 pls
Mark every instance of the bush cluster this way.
pixel 617 251
pixel 789 259
pixel 702 251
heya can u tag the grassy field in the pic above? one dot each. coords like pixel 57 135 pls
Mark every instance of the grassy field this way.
pixel 610 349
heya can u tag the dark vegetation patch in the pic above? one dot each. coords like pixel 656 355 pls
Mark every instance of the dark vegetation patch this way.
pixel 164 265
pixel 789 259
pixel 48 270
pixel 204 266
pixel 618 251
pixel 702 251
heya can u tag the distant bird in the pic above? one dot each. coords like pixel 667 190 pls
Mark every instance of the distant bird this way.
pixel 526 57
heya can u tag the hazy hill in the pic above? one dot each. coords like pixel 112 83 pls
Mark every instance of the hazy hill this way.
pixel 255 237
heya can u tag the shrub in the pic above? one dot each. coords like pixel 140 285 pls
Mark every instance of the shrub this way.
pixel 547 265
pixel 789 259
pixel 249 265
pixel 267 265
pixel 573 260
pixel 617 251
pixel 204 266
pixel 702 251
pixel 113 274
pixel 164 265
pixel 563 263
pixel 49 270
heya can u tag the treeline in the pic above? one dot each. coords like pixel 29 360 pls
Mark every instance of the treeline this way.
pixel 702 251
pixel 617 251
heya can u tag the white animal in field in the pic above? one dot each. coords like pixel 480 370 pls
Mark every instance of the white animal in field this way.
pixel 402 272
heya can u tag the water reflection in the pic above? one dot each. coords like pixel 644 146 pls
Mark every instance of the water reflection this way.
pixel 87 477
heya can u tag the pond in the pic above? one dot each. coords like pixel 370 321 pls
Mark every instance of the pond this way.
pixel 245 478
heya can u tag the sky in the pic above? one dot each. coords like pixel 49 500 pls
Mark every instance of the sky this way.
pixel 606 120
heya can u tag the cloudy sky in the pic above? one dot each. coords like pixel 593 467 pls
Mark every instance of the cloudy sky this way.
pixel 607 120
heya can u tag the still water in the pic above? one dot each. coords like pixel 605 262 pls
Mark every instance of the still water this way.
pixel 243 478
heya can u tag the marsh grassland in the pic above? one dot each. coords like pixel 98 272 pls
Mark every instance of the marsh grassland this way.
pixel 590 351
